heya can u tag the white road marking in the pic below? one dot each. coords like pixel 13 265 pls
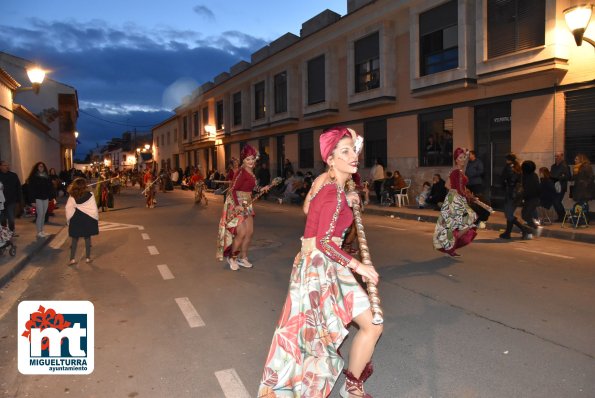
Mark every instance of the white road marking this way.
pixel 145 236
pixel 231 384
pixel 153 250
pixel 59 239
pixel 192 317
pixel 545 253
pixel 165 272
pixel 389 227
pixel 13 290
pixel 113 226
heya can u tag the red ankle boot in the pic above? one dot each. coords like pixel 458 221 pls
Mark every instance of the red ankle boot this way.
pixel 354 387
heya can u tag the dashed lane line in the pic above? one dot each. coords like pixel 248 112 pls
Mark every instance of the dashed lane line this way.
pixel 153 250
pixel 231 384
pixel 145 236
pixel 189 312
pixel 545 253
pixel 165 272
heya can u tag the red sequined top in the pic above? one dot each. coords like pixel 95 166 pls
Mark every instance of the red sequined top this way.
pixel 458 180
pixel 244 182
pixel 329 216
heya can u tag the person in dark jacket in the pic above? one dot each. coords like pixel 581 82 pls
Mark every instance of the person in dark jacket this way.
pixel 511 181
pixel 531 193
pixel 474 173
pixel 13 194
pixel 560 175
pixel 547 189
pixel 584 185
pixel 82 217
pixel 438 192
pixel 40 190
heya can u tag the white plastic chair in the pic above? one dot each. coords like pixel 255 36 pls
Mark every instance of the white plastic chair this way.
pixel 403 194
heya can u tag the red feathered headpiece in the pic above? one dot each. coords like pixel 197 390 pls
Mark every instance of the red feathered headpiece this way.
pixel 458 152
pixel 248 150
pixel 331 137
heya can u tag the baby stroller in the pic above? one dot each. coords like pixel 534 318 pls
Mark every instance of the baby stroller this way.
pixel 5 243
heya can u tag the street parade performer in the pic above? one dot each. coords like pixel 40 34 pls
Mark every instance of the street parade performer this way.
pixel 456 227
pixel 324 296
pixel 237 225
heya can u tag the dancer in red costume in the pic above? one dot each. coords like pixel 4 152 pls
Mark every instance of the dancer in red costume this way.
pixel 237 225
pixel 324 296
pixel 456 227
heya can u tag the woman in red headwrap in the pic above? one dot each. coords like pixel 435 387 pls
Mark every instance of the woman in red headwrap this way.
pixel 236 226
pixel 456 227
pixel 324 296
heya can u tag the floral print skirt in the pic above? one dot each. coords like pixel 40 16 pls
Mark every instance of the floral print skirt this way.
pixel 456 224
pixel 323 298
pixel 229 222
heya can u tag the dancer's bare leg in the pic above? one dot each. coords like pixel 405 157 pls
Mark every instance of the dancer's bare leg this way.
pixel 249 223
pixel 364 342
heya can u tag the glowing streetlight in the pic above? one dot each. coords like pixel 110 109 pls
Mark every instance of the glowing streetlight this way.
pixel 577 19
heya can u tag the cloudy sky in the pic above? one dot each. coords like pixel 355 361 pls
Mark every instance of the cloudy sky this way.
pixel 132 61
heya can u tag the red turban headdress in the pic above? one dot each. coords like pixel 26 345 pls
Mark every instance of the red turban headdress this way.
pixel 331 137
pixel 458 152
pixel 248 150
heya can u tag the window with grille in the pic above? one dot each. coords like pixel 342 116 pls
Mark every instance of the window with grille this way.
pixel 281 92
pixel 375 142
pixel 259 104
pixel 306 149
pixel 579 124
pixel 237 108
pixel 367 63
pixel 515 25
pixel 438 39
pixel 316 80
pixel 185 127
pixel 219 115
pixel 435 139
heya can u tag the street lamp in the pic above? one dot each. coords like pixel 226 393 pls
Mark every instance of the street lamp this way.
pixel 36 76
pixel 577 19
pixel 76 134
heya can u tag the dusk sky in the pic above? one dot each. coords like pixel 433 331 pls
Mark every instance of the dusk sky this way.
pixel 132 61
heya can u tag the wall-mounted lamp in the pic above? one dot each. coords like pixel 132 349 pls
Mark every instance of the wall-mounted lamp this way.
pixel 36 76
pixel 147 147
pixel 210 130
pixel 577 19
pixel 76 134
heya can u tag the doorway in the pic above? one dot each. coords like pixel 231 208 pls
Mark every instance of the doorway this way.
pixel 492 143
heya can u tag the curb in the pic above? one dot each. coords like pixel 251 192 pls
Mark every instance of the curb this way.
pixel 24 259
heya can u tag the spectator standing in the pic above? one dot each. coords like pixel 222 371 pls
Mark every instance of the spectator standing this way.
pixel 82 217
pixel 263 175
pixel 547 188
pixel 511 180
pixel 531 193
pixel 287 167
pixel 474 173
pixel 13 194
pixel 377 177
pixel 560 175
pixel 584 186
pixel 40 191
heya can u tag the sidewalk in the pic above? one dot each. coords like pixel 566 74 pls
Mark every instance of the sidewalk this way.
pixel 496 222
pixel 28 244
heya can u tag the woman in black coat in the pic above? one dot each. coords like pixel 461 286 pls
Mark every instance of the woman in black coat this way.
pixel 40 191
pixel 531 193
pixel 511 180
pixel 82 217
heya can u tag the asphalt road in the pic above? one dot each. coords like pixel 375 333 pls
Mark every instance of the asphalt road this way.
pixel 508 319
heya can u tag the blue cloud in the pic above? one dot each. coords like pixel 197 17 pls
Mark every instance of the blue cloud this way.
pixel 204 11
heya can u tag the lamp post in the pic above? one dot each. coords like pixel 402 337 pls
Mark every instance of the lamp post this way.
pixel 36 76
pixel 577 19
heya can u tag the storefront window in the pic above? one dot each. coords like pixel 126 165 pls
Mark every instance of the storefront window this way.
pixel 435 139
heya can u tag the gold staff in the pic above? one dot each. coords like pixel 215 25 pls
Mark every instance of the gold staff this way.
pixel 377 314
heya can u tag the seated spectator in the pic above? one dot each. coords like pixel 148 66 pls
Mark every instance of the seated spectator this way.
pixel 398 181
pixel 425 192
pixel 361 187
pixel 548 190
pixel 292 183
pixel 437 194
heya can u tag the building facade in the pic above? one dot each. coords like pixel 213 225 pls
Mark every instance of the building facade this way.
pixel 55 105
pixel 416 79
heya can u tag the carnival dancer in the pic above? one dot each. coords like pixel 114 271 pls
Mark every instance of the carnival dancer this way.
pixel 324 296
pixel 456 227
pixel 236 226
pixel 150 189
